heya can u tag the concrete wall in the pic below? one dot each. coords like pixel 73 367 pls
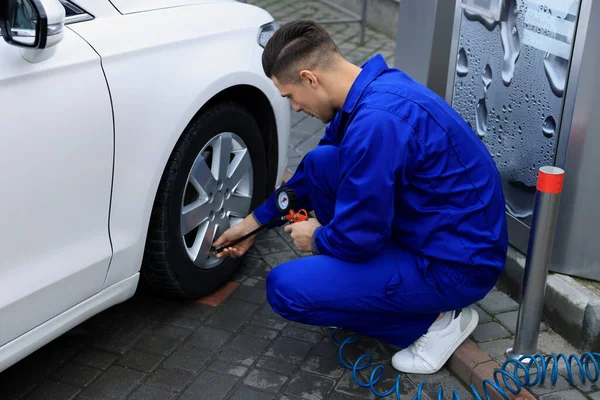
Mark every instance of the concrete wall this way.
pixel 382 15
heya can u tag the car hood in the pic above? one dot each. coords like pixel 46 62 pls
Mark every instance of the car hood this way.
pixel 134 6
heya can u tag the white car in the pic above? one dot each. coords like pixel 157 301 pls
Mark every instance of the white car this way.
pixel 133 133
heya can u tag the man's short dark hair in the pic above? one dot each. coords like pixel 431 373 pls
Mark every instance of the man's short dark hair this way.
pixel 295 46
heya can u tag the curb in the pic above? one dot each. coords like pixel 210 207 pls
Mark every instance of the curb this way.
pixel 473 366
pixel 570 309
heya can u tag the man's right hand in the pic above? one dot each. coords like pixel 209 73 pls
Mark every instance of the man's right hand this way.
pixel 235 232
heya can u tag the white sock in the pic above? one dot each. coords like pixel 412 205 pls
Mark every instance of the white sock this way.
pixel 442 323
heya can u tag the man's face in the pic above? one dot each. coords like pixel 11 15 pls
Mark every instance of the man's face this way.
pixel 307 96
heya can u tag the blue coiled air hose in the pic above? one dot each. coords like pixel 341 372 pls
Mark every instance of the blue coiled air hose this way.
pixel 515 386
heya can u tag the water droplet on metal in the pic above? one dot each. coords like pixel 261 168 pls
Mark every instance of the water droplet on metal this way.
pixel 549 127
pixel 556 71
pixel 487 77
pixel 481 117
pixel 511 44
pixel 462 68
pixel 487 22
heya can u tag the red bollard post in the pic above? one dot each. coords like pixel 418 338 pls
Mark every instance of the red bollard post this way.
pixel 541 238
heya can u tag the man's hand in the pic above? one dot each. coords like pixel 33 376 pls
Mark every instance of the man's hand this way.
pixel 235 232
pixel 302 233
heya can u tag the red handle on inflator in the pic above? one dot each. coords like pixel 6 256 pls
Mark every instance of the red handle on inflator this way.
pixel 299 216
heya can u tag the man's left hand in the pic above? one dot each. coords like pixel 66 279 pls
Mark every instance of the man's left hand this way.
pixel 302 233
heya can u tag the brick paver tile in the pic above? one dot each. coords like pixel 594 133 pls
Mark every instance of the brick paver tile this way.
pixel 365 345
pixel 250 293
pixel 548 387
pixel 140 361
pixel 309 386
pixel 247 345
pixel 408 387
pixel 305 335
pixel 207 337
pixel 347 386
pixel 173 330
pixel 235 358
pixel 509 321
pixel 153 342
pixel 15 387
pixel 188 358
pixel 120 338
pixel 259 284
pixel 244 393
pixel 116 383
pixel 484 317
pixel 310 143
pixel 271 245
pixel 194 310
pixel 209 386
pixel 270 321
pixel 96 358
pixel 448 384
pixel 227 368
pixel 277 364
pixel 498 302
pixel 310 125
pixel 275 259
pixel 298 136
pixel 232 315
pixel 267 381
pixel 335 396
pixel 289 349
pixel 497 348
pixel 331 368
pixel 76 375
pixel 466 358
pixel 53 390
pixel 260 332
pixel 489 331
pixel 564 395
pixel 170 379
pixel 145 392
pixel 484 372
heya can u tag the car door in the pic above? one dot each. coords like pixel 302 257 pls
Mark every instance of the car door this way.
pixel 56 158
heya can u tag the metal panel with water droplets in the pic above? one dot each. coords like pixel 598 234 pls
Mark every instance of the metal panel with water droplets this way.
pixel 509 86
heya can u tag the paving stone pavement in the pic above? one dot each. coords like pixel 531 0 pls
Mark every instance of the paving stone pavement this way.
pixel 150 348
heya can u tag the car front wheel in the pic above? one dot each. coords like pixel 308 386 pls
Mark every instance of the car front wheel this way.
pixel 215 177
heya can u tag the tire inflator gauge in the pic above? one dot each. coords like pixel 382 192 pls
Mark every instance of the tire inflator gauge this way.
pixel 285 202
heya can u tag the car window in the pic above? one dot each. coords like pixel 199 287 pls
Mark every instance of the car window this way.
pixel 71 9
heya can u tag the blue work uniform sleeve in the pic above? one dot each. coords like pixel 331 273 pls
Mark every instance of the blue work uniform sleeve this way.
pixel 379 150
pixel 268 210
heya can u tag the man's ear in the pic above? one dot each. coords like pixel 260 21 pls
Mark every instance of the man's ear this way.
pixel 309 77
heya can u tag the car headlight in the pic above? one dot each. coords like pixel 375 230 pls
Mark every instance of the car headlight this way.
pixel 265 33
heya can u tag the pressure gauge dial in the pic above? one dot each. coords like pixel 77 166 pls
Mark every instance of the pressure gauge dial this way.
pixel 286 199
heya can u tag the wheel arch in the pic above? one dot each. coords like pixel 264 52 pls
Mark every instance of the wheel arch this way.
pixel 256 102
pixel 250 91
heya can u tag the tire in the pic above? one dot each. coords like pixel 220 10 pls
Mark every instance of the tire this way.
pixel 168 263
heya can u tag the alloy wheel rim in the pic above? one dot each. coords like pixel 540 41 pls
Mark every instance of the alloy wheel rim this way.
pixel 217 195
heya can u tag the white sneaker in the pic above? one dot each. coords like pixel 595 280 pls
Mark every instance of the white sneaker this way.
pixel 429 353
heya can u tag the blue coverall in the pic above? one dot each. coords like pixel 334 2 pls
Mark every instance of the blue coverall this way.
pixel 412 213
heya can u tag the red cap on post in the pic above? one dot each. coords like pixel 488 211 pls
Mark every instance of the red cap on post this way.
pixel 550 180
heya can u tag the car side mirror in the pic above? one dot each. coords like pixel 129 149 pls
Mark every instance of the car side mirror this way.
pixel 32 25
